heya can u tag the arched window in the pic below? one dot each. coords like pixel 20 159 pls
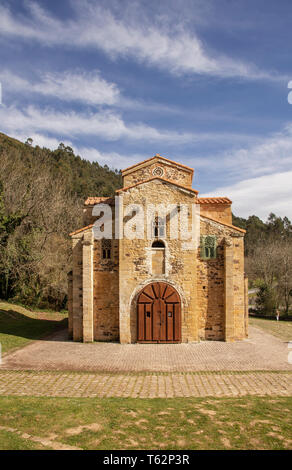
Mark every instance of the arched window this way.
pixel 158 227
pixel 158 244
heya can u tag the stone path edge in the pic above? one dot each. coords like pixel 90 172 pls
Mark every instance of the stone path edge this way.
pixel 145 372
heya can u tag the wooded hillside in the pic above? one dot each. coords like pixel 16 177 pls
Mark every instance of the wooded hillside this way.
pixel 41 198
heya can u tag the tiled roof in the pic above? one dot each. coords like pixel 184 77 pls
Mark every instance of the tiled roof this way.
pixel 161 179
pixel 214 200
pixel 80 230
pixel 91 201
pixel 159 157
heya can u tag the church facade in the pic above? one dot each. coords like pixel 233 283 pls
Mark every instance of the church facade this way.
pixel 157 277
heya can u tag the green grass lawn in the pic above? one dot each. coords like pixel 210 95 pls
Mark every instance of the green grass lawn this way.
pixel 19 326
pixel 281 329
pixel 115 423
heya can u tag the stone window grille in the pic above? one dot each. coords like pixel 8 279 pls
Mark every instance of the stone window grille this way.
pixel 106 248
pixel 208 247
pixel 158 227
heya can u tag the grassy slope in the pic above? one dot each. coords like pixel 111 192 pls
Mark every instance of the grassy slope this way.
pixel 19 326
pixel 186 423
pixel 281 329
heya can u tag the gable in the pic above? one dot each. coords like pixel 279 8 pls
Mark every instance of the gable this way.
pixel 224 227
pixel 160 167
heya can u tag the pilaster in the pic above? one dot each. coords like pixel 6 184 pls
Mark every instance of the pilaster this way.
pixel 87 286
pixel 229 290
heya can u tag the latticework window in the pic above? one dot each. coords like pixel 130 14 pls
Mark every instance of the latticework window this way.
pixel 208 247
pixel 106 248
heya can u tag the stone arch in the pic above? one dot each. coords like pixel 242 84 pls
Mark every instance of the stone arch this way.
pixel 134 298
pixel 159 314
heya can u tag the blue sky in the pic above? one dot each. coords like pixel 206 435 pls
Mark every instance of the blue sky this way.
pixel 201 82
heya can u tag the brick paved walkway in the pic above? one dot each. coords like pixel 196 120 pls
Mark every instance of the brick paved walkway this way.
pixel 58 367
pixel 167 385
pixel 261 351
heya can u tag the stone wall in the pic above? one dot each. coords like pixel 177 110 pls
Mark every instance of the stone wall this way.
pixel 238 286
pixel 136 264
pixel 77 297
pixel 70 304
pixel 106 293
pixel 213 296
pixel 221 212
pixel 210 287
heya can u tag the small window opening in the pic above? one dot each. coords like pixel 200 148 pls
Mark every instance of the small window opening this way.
pixel 158 227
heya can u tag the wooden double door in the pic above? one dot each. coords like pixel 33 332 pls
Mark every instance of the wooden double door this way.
pixel 159 314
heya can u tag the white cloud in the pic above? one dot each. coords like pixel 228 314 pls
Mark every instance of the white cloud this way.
pixel 264 174
pixel 106 125
pixel 87 87
pixel 111 159
pixel 271 155
pixel 260 196
pixel 42 140
pixel 174 49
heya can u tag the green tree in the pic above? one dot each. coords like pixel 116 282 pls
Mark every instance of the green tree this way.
pixel 266 301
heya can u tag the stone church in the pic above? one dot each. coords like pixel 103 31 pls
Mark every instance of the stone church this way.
pixel 157 288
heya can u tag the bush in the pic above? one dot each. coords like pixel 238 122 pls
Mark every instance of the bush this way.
pixel 266 302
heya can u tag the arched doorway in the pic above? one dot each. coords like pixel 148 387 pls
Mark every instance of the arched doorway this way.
pixel 159 314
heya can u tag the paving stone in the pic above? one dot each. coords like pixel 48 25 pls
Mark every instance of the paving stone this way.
pixel 260 352
pixel 40 383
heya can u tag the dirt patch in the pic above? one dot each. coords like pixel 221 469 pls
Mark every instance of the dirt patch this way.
pixel 141 423
pixel 132 443
pixel 207 412
pixel 131 413
pixel 226 442
pixel 276 435
pixel 95 427
pixel 181 442
pixel 45 441
pixel 191 421
pixel 259 421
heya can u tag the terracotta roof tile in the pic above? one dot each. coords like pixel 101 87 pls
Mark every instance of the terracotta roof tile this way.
pixel 91 201
pixel 214 200
pixel 80 230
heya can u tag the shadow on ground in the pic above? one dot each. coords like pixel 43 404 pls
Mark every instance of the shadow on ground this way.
pixel 17 324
